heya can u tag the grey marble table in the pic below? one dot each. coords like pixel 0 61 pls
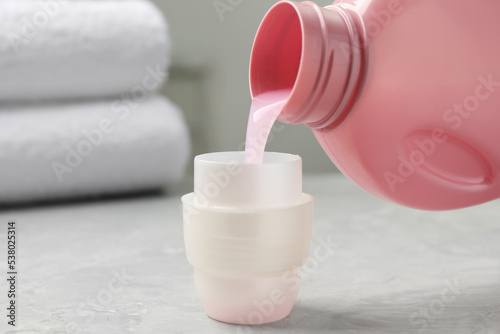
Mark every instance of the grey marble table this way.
pixel 119 266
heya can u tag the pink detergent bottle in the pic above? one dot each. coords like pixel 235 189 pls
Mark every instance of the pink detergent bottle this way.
pixel 403 95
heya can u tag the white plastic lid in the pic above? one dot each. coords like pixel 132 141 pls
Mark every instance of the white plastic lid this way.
pixel 224 180
pixel 245 226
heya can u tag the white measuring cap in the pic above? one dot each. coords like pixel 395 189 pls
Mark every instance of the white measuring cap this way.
pixel 247 230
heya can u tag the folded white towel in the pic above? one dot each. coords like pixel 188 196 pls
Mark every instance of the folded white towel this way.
pixel 75 49
pixel 73 150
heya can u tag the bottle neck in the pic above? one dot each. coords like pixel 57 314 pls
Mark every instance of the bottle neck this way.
pixel 309 50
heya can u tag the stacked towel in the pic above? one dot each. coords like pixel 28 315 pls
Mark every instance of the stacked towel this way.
pixel 52 50
pixel 79 110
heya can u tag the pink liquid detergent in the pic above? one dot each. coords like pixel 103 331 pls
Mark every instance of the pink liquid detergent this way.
pixel 403 96
pixel 264 111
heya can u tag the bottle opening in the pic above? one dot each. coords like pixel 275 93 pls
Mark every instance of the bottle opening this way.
pixel 277 51
pixel 299 48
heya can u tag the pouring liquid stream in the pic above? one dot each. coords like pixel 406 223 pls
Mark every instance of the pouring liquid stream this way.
pixel 264 111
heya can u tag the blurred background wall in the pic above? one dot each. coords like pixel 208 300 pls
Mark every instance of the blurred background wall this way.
pixel 212 41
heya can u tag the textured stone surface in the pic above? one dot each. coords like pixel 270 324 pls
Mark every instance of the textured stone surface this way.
pixel 393 270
